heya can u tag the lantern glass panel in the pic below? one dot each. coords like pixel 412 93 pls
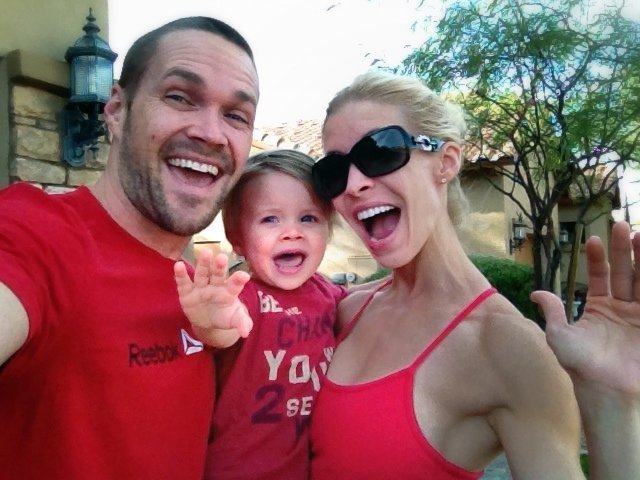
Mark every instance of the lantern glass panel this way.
pixel 92 78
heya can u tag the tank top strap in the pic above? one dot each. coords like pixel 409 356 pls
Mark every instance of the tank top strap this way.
pixel 453 324
pixel 349 326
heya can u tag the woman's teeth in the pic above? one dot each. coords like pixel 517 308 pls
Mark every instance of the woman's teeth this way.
pixel 372 212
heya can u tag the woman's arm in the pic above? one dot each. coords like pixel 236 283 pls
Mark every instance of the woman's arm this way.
pixel 601 353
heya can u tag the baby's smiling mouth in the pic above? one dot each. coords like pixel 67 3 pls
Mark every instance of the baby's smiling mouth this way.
pixel 289 260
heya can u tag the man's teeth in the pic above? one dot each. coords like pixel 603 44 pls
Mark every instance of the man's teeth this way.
pixel 196 166
pixel 372 212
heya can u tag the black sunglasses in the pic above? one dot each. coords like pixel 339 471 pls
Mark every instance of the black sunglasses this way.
pixel 378 153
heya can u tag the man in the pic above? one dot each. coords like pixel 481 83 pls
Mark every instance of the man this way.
pixel 100 375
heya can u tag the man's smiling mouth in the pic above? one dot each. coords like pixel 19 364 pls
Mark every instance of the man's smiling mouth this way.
pixel 195 166
pixel 194 173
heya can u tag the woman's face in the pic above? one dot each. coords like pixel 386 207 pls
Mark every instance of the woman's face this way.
pixel 394 214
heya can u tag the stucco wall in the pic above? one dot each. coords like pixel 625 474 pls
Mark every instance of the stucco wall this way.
pixel 34 79
pixel 48 27
pixel 483 232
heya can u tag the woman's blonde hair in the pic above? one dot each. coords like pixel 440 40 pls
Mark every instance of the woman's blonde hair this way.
pixel 427 112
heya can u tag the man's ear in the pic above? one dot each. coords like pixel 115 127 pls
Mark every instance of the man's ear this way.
pixel 450 161
pixel 115 111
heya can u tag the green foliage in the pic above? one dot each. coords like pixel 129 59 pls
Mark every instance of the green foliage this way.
pixel 584 463
pixel 560 74
pixel 511 279
pixel 378 274
pixel 552 85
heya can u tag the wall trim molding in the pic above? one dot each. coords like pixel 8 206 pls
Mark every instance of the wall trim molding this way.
pixel 39 71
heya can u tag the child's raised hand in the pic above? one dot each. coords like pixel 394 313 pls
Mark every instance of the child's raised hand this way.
pixel 211 301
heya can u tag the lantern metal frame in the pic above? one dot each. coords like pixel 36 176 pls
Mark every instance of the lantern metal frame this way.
pixel 91 78
pixel 519 234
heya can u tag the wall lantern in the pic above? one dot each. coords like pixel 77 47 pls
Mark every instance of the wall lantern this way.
pixel 519 234
pixel 91 78
pixel 563 237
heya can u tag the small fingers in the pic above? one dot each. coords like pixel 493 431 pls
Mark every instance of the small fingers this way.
pixel 203 269
pixel 236 282
pixel 219 269
pixel 245 326
pixel 183 282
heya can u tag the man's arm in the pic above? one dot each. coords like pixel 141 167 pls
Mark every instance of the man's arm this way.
pixel 601 352
pixel 14 324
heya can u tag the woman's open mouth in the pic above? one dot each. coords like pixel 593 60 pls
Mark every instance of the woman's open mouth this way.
pixel 381 221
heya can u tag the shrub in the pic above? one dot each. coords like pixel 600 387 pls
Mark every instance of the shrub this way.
pixel 381 272
pixel 584 463
pixel 511 279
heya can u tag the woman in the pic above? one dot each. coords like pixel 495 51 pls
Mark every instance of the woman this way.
pixel 435 372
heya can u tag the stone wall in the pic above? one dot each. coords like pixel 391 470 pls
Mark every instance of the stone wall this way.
pixel 35 152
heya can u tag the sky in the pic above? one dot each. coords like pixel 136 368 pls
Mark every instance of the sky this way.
pixel 305 50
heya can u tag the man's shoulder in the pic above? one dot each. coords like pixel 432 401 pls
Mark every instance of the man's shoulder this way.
pixel 22 203
pixel 22 190
pixel 31 196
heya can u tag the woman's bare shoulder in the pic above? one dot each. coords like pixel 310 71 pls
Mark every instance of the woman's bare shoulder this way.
pixel 356 298
pixel 514 344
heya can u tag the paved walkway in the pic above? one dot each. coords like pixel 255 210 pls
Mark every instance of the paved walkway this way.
pixel 498 470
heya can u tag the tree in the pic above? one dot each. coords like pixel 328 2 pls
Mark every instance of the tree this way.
pixel 554 87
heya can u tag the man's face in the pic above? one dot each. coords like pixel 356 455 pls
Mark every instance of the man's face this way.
pixel 187 134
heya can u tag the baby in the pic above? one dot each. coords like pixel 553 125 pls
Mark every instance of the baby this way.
pixel 268 380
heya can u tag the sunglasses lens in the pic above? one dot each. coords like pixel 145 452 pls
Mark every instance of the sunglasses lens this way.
pixel 385 152
pixel 379 153
pixel 330 175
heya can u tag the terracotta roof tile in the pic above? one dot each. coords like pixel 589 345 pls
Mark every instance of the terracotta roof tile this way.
pixel 303 135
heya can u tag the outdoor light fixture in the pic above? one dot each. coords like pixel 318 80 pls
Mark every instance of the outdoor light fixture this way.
pixel 519 234
pixel 91 78
pixel 563 237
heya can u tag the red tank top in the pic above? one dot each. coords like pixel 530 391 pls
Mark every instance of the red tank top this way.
pixel 370 431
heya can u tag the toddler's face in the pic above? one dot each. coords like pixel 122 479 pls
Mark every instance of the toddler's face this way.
pixel 284 230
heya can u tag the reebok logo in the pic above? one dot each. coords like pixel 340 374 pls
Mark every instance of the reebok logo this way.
pixel 190 344
pixel 153 355
pixel 145 356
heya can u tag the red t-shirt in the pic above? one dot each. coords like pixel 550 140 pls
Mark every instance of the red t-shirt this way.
pixel 269 382
pixel 109 383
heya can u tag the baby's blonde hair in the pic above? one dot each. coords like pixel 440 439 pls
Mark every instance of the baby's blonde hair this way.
pixel 291 162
